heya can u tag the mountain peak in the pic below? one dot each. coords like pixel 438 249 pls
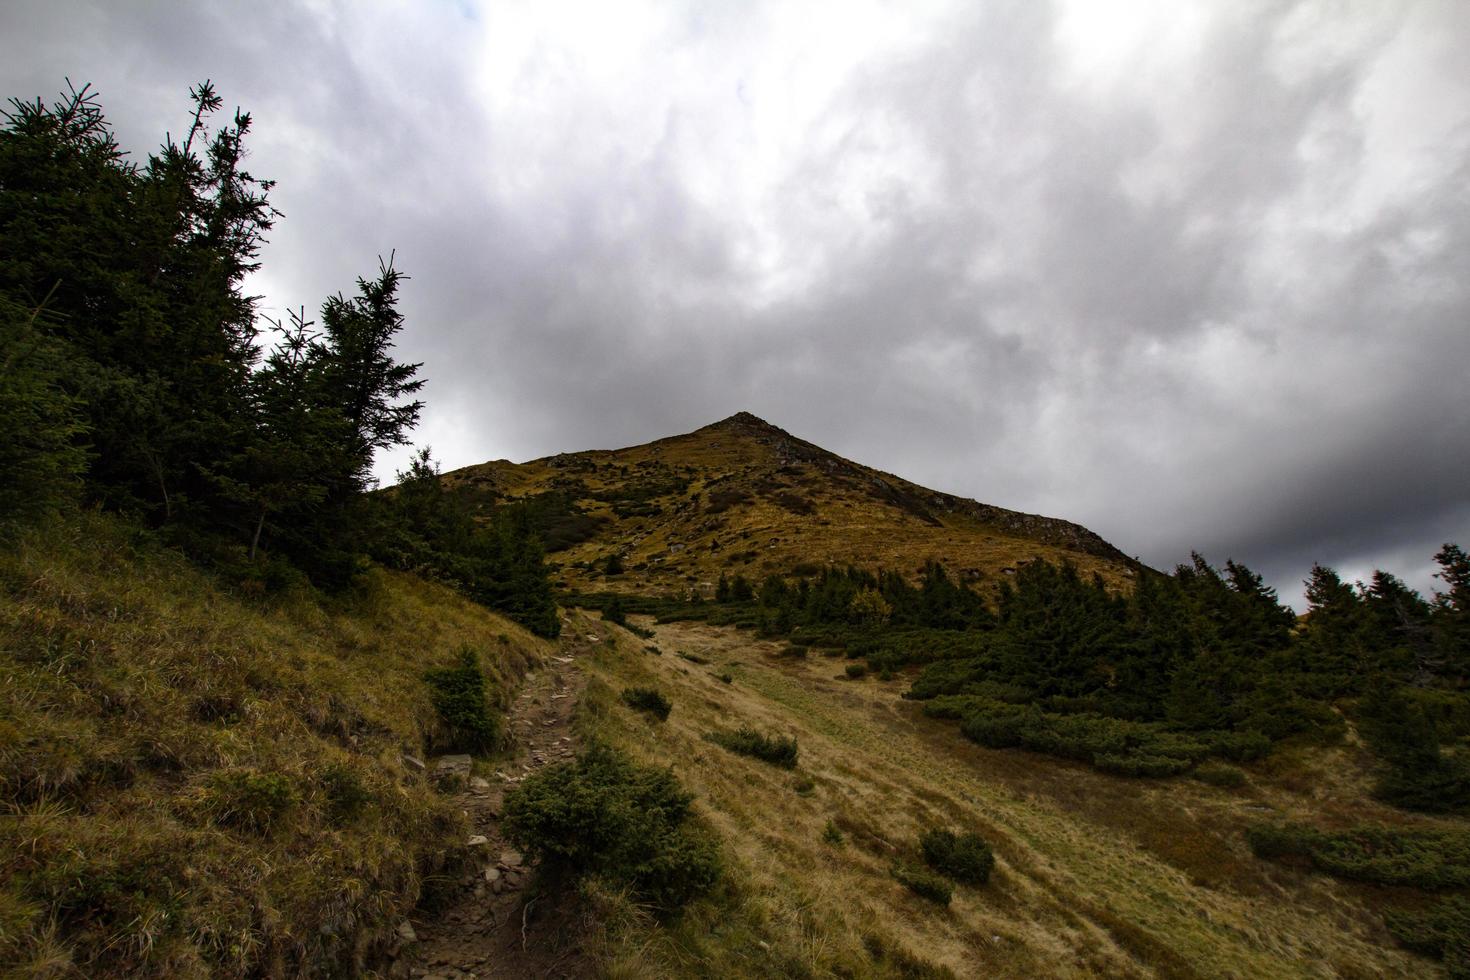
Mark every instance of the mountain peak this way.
pixel 744 420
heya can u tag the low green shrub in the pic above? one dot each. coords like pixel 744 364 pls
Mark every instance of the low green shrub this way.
pixel 458 694
pixel 831 835
pixel 613 612
pixel 1433 860
pixel 1442 930
pixel 996 730
pixel 779 750
pixel 1418 774
pixel 897 646
pixel 1149 766
pixel 925 884
pixel 605 816
pixel 1125 748
pixel 1246 746
pixel 1219 774
pixel 1449 709
pixel 950 677
pixel 952 706
pixel 855 671
pixel 966 858
pixel 346 794
pixel 648 700
pixel 248 799
pixel 1310 720
pixel 1439 785
pixel 1429 859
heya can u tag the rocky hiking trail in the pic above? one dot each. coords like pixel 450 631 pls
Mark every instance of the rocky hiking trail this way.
pixel 492 925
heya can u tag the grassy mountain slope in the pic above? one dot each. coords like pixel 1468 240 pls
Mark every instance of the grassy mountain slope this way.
pixel 195 783
pixel 1096 875
pixel 743 496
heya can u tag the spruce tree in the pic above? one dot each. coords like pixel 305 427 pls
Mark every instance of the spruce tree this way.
pixel 1451 615
pixel 143 267
pixel 41 457
pixel 1401 621
pixel 1336 649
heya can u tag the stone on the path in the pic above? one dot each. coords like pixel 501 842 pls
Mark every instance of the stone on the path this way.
pixel 449 766
pixel 406 933
pixel 412 763
pixel 477 841
pixel 511 859
pixel 479 784
pixel 492 875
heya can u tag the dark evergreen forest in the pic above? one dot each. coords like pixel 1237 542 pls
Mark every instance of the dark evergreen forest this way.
pixel 1186 666
pixel 138 376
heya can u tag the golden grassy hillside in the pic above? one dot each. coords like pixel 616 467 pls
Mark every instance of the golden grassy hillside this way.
pixel 1096 875
pixel 742 496
pixel 197 784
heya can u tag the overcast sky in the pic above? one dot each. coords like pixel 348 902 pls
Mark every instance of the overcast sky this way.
pixel 1195 275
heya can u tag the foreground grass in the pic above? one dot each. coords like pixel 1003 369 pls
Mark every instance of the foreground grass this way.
pixel 1094 875
pixel 193 784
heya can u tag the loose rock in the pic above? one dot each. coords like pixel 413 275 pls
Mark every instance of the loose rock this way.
pixel 448 766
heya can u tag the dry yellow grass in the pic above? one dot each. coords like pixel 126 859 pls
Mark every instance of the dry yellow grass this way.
pixel 196 785
pixel 1096 875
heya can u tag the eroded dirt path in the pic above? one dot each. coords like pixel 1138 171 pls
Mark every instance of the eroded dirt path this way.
pixel 494 925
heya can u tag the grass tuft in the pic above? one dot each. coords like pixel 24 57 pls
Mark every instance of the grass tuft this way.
pixel 925 884
pixel 965 858
pixel 778 750
pixel 648 700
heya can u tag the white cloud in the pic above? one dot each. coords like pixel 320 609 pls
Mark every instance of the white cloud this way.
pixel 1189 273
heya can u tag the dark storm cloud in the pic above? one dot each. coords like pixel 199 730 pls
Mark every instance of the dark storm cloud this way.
pixel 1193 277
